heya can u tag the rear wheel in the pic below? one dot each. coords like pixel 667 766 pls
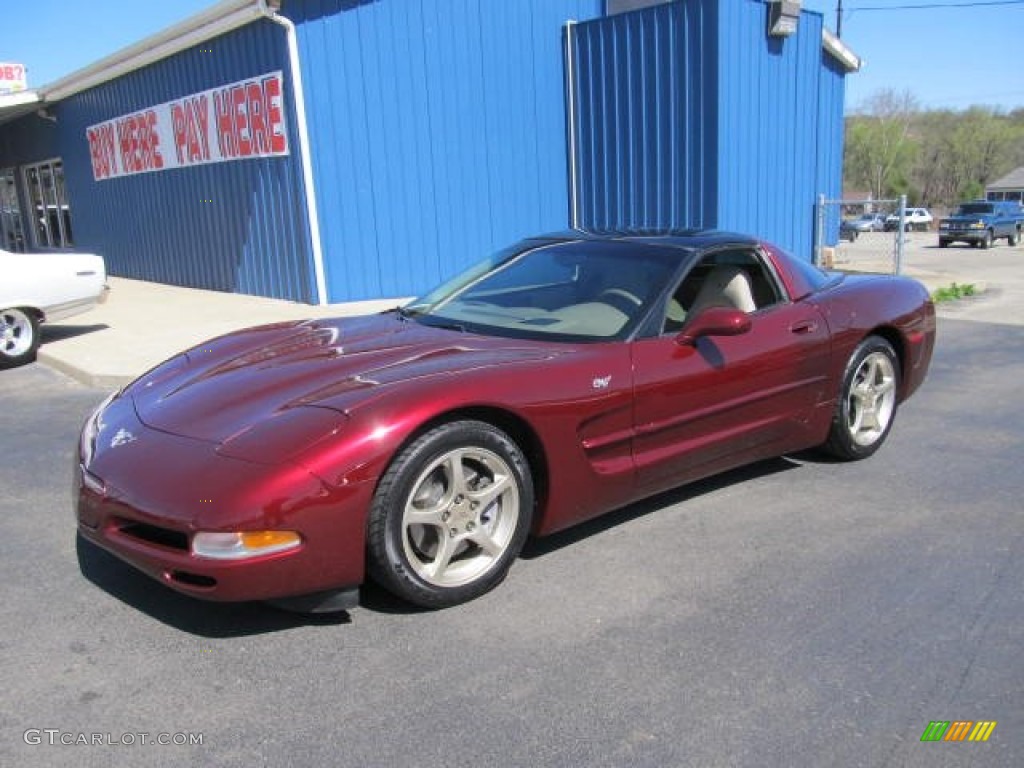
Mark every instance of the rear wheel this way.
pixel 867 401
pixel 19 337
pixel 450 515
pixel 1014 238
pixel 943 243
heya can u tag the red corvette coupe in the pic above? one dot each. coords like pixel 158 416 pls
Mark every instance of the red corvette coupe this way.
pixel 566 376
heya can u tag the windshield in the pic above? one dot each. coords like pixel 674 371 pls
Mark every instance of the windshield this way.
pixel 972 209
pixel 574 291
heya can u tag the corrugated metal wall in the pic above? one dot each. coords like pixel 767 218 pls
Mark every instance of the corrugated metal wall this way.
pixel 831 140
pixel 780 123
pixel 643 86
pixel 687 114
pixel 438 132
pixel 232 226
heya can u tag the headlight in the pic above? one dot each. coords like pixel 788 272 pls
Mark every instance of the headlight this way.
pixel 977 225
pixel 93 425
pixel 239 545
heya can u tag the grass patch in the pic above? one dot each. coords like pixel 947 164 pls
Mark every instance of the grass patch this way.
pixel 953 291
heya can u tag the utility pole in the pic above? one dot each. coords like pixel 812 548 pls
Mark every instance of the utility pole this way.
pixel 839 19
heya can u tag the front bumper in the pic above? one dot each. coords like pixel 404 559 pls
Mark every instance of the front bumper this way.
pixel 142 495
pixel 963 235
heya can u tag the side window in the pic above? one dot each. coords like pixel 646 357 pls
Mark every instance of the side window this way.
pixel 730 278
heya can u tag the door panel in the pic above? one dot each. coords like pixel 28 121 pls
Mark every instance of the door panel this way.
pixel 698 407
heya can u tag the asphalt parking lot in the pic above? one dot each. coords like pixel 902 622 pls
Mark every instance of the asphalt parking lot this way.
pixel 796 613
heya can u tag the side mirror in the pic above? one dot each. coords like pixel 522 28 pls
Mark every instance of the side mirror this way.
pixel 714 321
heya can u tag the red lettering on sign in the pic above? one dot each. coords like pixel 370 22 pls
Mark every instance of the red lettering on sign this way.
pixel 139 143
pixel 179 131
pixel 257 125
pixel 202 117
pixel 274 118
pixel 154 158
pixel 242 132
pixel 190 126
pixel 226 139
pixel 101 151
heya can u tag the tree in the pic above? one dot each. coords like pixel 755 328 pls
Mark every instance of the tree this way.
pixel 879 149
pixel 936 157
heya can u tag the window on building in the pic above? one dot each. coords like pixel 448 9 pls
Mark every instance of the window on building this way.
pixel 12 235
pixel 51 220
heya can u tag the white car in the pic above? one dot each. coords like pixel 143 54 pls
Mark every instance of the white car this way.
pixel 43 287
pixel 918 219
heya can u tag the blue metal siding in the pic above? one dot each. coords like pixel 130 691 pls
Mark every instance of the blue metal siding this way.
pixel 236 226
pixel 688 114
pixel 438 132
pixel 645 109
pixel 780 123
pixel 831 139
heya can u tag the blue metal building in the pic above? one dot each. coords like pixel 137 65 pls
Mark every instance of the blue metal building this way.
pixel 687 114
pixel 333 150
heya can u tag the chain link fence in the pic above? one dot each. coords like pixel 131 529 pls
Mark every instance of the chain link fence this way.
pixel 863 235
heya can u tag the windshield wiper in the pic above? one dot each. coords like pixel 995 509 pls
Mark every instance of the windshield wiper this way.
pixel 449 326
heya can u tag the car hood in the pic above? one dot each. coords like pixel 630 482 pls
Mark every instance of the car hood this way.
pixel 222 388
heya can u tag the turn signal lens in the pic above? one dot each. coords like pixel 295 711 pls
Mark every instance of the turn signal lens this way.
pixel 242 544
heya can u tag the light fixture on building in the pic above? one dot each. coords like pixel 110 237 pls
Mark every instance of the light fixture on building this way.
pixel 783 16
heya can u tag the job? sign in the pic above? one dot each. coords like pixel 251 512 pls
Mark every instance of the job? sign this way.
pixel 13 77
pixel 237 121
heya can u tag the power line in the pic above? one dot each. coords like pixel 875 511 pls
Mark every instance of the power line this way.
pixel 930 6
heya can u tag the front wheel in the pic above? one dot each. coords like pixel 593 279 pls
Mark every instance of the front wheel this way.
pixel 987 240
pixel 19 337
pixel 867 401
pixel 1013 238
pixel 450 515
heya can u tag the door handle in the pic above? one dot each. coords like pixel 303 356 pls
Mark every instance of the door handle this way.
pixel 806 326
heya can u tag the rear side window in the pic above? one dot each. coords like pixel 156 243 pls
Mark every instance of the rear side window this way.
pixel 810 274
pixel 803 277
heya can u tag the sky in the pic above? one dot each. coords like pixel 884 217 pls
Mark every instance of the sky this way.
pixel 949 54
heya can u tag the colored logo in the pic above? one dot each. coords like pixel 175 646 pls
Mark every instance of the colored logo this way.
pixel 958 730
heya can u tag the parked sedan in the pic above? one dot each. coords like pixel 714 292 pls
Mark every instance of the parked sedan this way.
pixel 847 231
pixel 868 222
pixel 566 376
pixel 43 287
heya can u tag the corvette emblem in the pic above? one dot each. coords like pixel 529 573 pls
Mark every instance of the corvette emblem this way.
pixel 602 383
pixel 123 437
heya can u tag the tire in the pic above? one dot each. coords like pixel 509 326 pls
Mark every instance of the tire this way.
pixel 19 337
pixel 867 401
pixel 943 243
pixel 1013 238
pixel 987 241
pixel 450 515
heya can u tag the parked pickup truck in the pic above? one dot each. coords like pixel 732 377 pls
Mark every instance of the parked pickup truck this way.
pixel 981 222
